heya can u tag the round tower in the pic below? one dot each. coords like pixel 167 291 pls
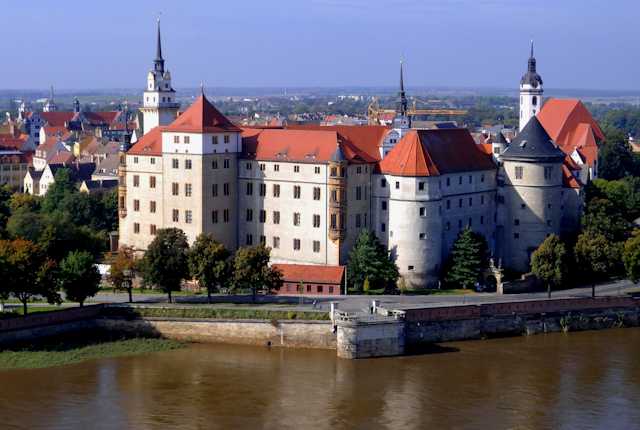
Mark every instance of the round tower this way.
pixel 532 174
pixel 530 92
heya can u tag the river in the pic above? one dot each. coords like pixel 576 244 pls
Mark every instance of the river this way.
pixel 588 380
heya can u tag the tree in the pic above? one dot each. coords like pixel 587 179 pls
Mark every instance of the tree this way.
pixel 59 191
pixel 251 270
pixel 603 217
pixel 5 207
pixel 79 278
pixel 370 259
pixel 631 256
pixel 468 259
pixel 209 263
pixel 596 257
pixel 122 269
pixel 165 262
pixel 615 157
pixel 548 262
pixel 27 272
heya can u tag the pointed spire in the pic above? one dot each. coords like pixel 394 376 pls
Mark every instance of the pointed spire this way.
pixel 401 79
pixel 532 60
pixel 402 102
pixel 159 61
pixel 202 88
pixel 51 94
pixel 531 56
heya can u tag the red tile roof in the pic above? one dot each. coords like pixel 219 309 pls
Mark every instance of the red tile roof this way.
pixel 149 144
pixel 311 274
pixel 305 146
pixel 572 127
pixel 202 117
pixel 57 118
pixel 62 157
pixel 436 152
pixel 487 148
pixel 101 117
pixel 8 141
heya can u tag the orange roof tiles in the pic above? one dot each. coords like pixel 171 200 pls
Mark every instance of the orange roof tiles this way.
pixel 57 118
pixel 436 152
pixel 202 117
pixel 311 274
pixel 62 157
pixel 309 146
pixel 571 126
pixel 568 180
pixel 149 144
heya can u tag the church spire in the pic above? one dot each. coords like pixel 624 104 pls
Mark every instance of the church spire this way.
pixel 159 61
pixel 532 60
pixel 402 102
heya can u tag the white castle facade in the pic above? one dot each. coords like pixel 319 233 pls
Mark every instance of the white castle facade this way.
pixel 308 191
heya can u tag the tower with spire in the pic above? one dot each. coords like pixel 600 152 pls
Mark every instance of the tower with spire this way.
pixel 402 121
pixel 159 105
pixel 50 105
pixel 530 92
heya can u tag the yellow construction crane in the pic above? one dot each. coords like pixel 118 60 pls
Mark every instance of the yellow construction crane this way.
pixel 375 112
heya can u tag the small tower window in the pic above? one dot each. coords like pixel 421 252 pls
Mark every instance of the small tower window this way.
pixel 535 101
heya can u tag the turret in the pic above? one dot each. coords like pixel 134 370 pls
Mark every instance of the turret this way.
pixel 530 92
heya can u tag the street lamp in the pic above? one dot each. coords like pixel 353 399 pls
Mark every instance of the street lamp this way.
pixel 127 282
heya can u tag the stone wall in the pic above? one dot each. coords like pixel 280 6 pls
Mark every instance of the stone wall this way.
pixel 292 334
pixel 358 339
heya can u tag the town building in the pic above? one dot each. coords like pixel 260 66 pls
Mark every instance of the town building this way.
pixel 307 191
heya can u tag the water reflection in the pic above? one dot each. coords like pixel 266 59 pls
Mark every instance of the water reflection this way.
pixel 581 380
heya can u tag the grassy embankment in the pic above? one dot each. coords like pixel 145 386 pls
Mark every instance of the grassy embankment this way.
pixel 215 313
pixel 77 348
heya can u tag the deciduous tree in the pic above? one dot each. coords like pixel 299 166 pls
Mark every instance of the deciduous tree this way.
pixel 251 270
pixel 596 257
pixel 548 262
pixel 209 263
pixel 165 262
pixel 122 270
pixel 79 278
pixel 631 256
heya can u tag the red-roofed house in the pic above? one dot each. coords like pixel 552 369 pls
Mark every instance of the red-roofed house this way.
pixel 302 279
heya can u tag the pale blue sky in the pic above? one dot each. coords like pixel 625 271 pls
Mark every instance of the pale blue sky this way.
pixel 464 43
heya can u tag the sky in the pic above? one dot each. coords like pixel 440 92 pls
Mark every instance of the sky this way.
pixel 579 44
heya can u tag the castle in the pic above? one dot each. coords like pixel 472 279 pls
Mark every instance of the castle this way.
pixel 307 191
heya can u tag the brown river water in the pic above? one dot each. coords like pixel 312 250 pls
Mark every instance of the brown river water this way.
pixel 588 380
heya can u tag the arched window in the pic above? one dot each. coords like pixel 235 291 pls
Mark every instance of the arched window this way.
pixel 535 100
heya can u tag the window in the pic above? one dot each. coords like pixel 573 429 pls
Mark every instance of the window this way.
pixel 187 190
pixel 470 179
pixel 316 220
pixel 136 180
pixel 481 219
pixel 263 189
pixel 383 205
pixel 421 186
pixel 175 188
pixel 334 221
pixel 225 215
pixel 460 180
pixel 523 206
pixel 152 229
pixel 534 101
pixel 276 217
pixel 316 193
pixel 136 205
pixel 409 267
pixel 214 190
pixel 334 171
pixel 549 223
pixel 519 172
pixel 359 170
pixel 548 172
pixel 226 163
pixel 175 163
pixel 448 204
pixel 214 164
pixel 470 201
pixel 135 160
pixel 152 206
pixel 358 193
pixel 152 181
pixel 296 218
pixel 187 164
pixel 175 215
pixel 276 242
pixel 358 221
pixel 249 188
pixel 516 235
pixel 296 169
pixel 482 178
pixel 276 190
pixel 249 215
pixel 383 227
pixel 316 248
pixel 296 191
pixel 448 181
pixel 459 203
pixel 136 227
pixel 383 183
pixel 481 200
pixel 249 166
pixel 188 217
pixel 263 215
pixel 296 244
pixel 214 140
pixel 447 226
pixel 214 217
pixel 316 170
pixel 249 239
pixel 276 167
pixel 423 236
pixel 226 138
pixel 263 240
pixel 423 211
pixel 187 139
pixel 516 221
pixel 176 139
pixel 225 188
pixel 334 195
pixel 397 185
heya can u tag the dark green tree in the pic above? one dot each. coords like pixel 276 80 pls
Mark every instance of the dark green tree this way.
pixel 549 262
pixel 468 259
pixel 370 259
pixel 615 157
pixel 59 191
pixel 603 217
pixel 631 256
pixel 251 270
pixel 597 257
pixel 209 263
pixel 79 277
pixel 5 208
pixel 165 262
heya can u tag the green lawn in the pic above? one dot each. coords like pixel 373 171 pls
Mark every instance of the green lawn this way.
pixel 17 311
pixel 70 350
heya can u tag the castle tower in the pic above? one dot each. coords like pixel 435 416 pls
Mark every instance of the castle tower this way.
pixel 76 105
pixel 402 121
pixel 159 104
pixel 530 92
pixel 50 105
pixel 532 194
